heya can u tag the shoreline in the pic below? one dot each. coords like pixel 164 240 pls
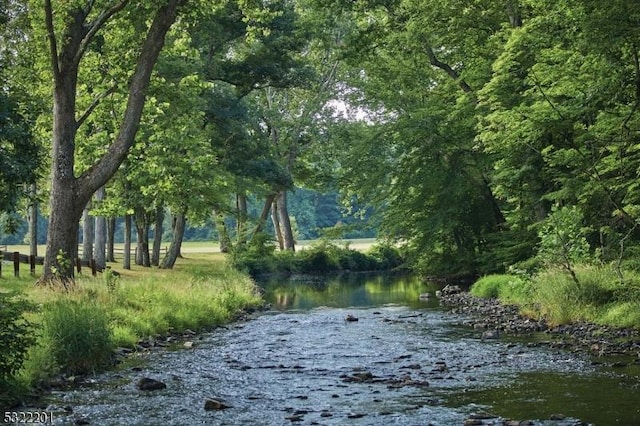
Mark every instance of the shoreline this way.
pixel 494 318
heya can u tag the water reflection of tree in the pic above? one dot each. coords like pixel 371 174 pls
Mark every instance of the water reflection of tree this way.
pixel 347 290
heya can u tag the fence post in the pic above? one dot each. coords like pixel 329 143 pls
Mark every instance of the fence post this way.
pixel 93 266
pixel 16 263
pixel 32 264
pixel 1 260
pixel 78 265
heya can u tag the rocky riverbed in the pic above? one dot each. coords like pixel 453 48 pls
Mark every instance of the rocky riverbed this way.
pixel 495 319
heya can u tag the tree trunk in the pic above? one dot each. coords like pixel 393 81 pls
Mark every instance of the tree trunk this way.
pixel 285 223
pixel 111 234
pixel 241 204
pixel 223 235
pixel 69 194
pixel 100 230
pixel 157 236
pixel 142 231
pixel 262 220
pixel 126 257
pixel 176 243
pixel 87 234
pixel 33 220
pixel 276 224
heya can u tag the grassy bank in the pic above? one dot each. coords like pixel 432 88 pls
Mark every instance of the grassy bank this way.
pixel 76 331
pixel 599 295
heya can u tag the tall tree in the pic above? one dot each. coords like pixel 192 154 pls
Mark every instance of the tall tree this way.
pixel 71 30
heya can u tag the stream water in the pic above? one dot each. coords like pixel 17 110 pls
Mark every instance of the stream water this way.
pixel 405 361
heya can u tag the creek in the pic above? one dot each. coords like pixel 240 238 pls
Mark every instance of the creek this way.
pixel 405 361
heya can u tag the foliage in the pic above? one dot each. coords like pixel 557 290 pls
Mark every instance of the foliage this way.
pixel 254 257
pixel 562 239
pixel 322 257
pixel 16 334
pixel 509 288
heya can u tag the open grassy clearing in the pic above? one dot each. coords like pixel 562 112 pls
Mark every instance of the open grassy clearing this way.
pixel 361 244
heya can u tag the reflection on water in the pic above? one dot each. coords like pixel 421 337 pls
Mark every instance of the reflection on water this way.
pixel 290 365
pixel 349 290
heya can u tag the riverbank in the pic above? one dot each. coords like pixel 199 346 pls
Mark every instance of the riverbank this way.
pixel 85 329
pixel 405 360
pixel 493 318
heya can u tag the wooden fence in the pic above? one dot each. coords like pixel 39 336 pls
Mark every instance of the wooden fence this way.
pixel 17 258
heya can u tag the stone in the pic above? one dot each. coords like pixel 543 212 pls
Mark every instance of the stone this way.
pixel 351 318
pixel 211 404
pixel 149 384
pixel 491 335
pixel 188 345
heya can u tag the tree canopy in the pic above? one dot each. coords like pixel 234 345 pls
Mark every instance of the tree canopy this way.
pixel 463 127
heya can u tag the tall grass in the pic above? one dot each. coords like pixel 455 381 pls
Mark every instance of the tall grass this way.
pixel 598 295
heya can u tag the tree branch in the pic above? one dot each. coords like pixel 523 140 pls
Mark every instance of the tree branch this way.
pixel 96 24
pixel 636 63
pixel 108 164
pixel 433 60
pixel 94 104
pixel 544 95
pixel 53 45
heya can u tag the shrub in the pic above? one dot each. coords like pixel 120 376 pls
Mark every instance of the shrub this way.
pixel 16 335
pixel 316 260
pixel 255 257
pixel 387 256
pixel 509 288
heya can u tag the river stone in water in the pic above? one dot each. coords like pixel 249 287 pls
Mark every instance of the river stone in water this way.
pixel 215 404
pixel 148 384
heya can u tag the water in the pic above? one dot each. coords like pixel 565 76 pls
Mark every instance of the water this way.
pixel 404 362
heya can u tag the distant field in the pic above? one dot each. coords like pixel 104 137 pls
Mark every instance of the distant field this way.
pixel 361 244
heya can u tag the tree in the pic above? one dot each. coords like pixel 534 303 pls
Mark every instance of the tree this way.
pixel 414 68
pixel 20 156
pixel 71 30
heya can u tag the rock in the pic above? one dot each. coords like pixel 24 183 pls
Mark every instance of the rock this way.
pixel 362 377
pixel 557 416
pixel 355 416
pixel 148 384
pixel 482 416
pixel 211 404
pixel 440 366
pixel 451 289
pixel 425 296
pixel 188 345
pixel 491 335
pixel 351 318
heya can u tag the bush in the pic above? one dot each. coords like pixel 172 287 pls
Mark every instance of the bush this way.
pixel 255 257
pixel 509 288
pixel 387 256
pixel 78 336
pixel 16 335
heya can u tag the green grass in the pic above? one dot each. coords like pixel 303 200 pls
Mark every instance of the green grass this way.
pixel 78 329
pixel 599 296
